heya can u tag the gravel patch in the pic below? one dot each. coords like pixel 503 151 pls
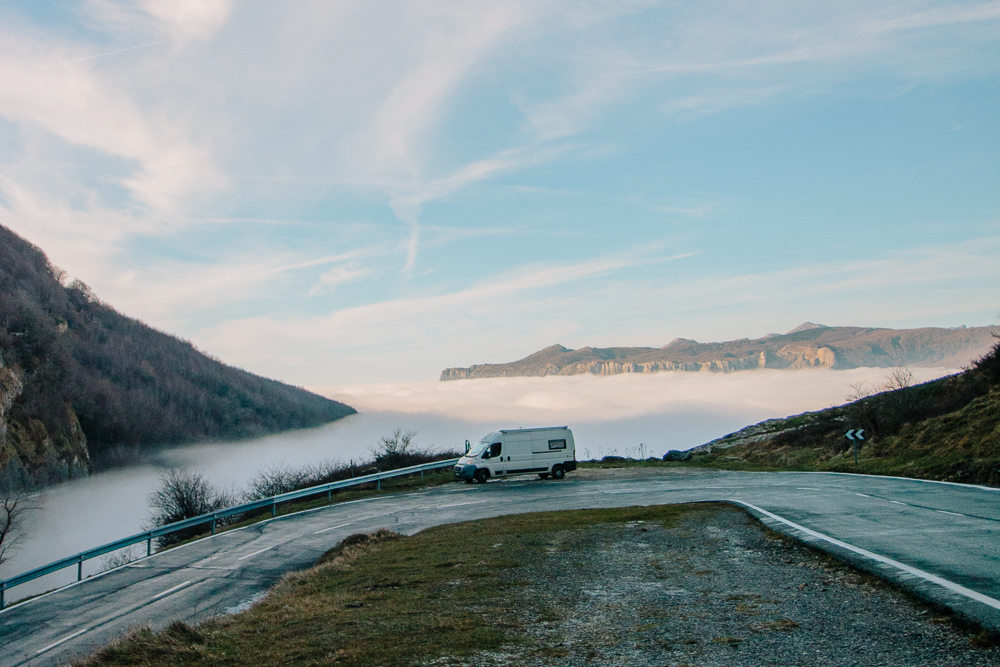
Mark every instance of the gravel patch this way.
pixel 717 588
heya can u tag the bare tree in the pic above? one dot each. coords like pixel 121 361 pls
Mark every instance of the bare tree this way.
pixel 882 408
pixel 898 377
pixel 393 450
pixel 12 509
pixel 184 494
pixel 394 444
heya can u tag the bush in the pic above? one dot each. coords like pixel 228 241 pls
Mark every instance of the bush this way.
pixel 184 495
pixel 392 450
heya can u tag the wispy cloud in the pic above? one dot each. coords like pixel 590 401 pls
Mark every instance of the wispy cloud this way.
pixel 339 275
pixel 147 149
pixel 577 305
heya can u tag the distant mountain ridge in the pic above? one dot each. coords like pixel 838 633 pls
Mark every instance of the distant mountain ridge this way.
pixel 806 346
pixel 81 383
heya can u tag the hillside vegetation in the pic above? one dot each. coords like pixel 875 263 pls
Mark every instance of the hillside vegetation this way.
pixel 82 385
pixel 947 429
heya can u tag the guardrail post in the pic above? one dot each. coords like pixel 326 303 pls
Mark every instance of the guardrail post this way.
pixel 274 508
pixel 329 496
pixel 421 474
pixel 3 587
pixel 378 484
pixel 79 569
pixel 149 547
pixel 213 525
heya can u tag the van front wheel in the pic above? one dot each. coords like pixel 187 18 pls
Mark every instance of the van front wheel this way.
pixel 482 476
pixel 558 472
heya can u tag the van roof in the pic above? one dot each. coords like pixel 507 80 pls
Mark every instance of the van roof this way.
pixel 528 430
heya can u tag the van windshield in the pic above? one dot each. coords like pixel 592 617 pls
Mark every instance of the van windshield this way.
pixel 477 449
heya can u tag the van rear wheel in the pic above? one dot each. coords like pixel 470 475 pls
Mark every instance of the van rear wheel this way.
pixel 558 472
pixel 482 476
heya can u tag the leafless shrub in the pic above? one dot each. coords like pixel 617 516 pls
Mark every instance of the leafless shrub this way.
pixel 184 494
pixel 12 511
pixel 881 408
pixel 280 479
pixel 119 558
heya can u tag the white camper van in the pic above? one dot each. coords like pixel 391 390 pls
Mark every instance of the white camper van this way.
pixel 546 452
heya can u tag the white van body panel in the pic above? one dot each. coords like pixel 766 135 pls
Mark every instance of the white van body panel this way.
pixel 535 451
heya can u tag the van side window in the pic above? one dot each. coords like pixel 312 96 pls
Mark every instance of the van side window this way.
pixel 494 450
pixel 557 444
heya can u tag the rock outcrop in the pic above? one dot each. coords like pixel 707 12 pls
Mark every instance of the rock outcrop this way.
pixel 807 346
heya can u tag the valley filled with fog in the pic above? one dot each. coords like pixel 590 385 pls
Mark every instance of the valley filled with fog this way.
pixel 628 415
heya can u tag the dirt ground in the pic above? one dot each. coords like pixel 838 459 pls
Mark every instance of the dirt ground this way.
pixel 716 589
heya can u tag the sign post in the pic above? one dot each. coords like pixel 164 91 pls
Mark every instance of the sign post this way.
pixel 854 435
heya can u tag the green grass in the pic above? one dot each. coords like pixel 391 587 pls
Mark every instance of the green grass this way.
pixel 385 600
pixel 959 446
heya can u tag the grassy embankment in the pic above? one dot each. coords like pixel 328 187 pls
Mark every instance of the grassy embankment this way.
pixel 384 601
pixel 947 429
pixel 487 585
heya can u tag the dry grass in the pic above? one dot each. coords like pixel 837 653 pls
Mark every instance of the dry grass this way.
pixel 380 599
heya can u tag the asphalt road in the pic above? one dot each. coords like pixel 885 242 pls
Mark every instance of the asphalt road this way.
pixel 939 540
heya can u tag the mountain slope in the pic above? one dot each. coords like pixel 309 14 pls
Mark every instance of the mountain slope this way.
pixel 947 429
pixel 80 382
pixel 807 346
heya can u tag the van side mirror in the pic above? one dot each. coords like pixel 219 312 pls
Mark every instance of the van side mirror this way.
pixel 467 446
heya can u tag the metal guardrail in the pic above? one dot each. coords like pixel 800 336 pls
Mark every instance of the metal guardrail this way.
pixel 213 518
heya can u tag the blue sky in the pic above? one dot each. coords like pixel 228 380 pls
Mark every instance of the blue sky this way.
pixel 348 192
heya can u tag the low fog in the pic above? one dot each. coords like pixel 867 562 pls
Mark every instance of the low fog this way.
pixel 640 414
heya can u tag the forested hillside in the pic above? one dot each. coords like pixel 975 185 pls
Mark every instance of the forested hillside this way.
pixel 81 383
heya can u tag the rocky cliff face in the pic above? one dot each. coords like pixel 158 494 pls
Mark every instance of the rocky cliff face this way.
pixel 807 346
pixel 32 454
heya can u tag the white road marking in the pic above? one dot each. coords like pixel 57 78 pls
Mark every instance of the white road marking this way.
pixel 257 552
pixel 171 590
pixel 317 532
pixel 721 487
pixel 473 502
pixel 898 503
pixel 64 639
pixel 862 495
pixel 927 576
pixel 951 513
pixel 246 604
pixel 806 488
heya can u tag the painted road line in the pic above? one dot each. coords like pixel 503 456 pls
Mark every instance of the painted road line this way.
pixel 64 639
pixel 863 495
pixel 896 502
pixel 951 513
pixel 171 590
pixel 926 576
pixel 473 502
pixel 317 532
pixel 806 488
pixel 257 552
